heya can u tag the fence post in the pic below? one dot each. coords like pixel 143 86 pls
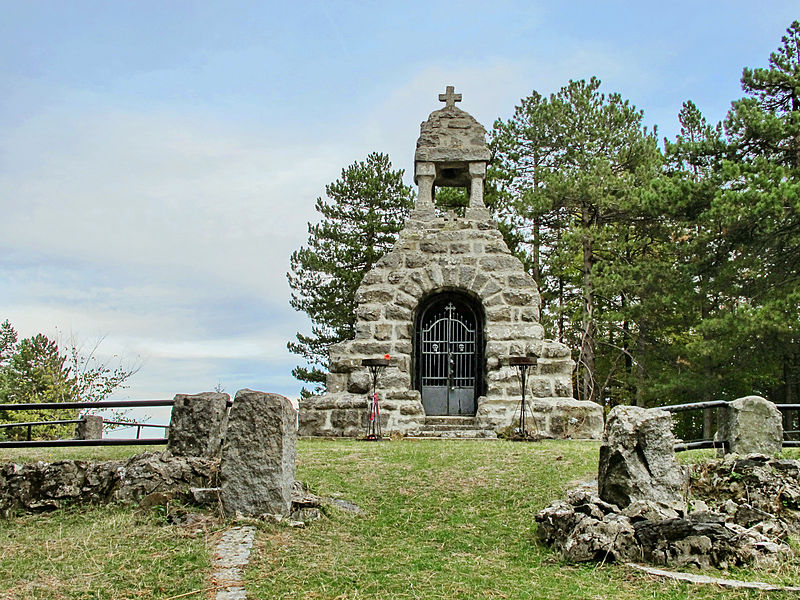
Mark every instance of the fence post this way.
pixel 90 428
pixel 198 424
pixel 751 425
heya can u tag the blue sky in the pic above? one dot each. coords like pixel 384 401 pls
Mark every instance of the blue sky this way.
pixel 160 160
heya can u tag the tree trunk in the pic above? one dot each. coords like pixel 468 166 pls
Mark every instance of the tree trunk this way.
pixel 641 348
pixel 536 269
pixel 587 343
pixel 709 422
pixel 788 395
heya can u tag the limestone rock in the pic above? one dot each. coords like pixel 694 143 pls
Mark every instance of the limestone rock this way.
pixel 751 425
pixel 90 428
pixel 258 457
pixel 47 486
pixel 198 424
pixel 584 528
pixel 637 461
pixel 747 488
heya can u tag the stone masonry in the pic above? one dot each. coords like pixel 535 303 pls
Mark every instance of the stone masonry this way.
pixel 258 457
pixel 437 253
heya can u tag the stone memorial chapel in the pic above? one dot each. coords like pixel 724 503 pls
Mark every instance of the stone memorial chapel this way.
pixel 450 304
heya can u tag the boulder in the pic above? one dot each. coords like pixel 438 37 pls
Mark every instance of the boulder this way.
pixel 258 458
pixel 637 460
pixel 751 425
pixel 198 424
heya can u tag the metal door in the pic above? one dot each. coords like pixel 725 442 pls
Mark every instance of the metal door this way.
pixel 448 359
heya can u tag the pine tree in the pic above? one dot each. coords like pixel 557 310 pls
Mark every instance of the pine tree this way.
pixel 732 198
pixel 759 212
pixel 361 216
pixel 569 171
pixel 8 341
pixel 36 372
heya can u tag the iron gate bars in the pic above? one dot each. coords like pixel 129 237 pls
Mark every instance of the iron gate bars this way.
pixel 448 346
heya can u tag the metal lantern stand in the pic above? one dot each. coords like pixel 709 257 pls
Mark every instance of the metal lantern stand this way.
pixel 522 363
pixel 376 367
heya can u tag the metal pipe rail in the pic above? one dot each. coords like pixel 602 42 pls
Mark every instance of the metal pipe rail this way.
pixel 694 406
pixel 700 444
pixel 82 405
pixel 680 447
pixel 133 424
pixel 96 404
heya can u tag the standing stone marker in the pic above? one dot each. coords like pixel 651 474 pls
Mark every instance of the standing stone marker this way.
pixel 90 428
pixel 197 425
pixel 637 460
pixel 751 425
pixel 258 457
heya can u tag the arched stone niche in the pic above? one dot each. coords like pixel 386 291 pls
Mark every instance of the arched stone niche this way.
pixel 449 353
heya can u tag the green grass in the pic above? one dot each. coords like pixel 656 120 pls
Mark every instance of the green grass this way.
pixel 100 552
pixel 445 520
pixel 450 519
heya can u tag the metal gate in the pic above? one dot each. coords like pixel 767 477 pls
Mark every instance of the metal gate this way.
pixel 448 358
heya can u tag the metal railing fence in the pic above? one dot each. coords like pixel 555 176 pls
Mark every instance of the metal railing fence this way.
pixel 723 444
pixel 31 443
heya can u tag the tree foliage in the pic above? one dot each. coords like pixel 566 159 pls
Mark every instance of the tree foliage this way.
pixel 360 218
pixel 733 195
pixel 569 173
pixel 681 269
pixel 37 370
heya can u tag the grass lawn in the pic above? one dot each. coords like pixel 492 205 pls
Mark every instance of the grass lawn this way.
pixel 99 552
pixel 452 519
pixel 448 519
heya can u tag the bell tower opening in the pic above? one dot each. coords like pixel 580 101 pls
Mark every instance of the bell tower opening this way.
pixel 449 353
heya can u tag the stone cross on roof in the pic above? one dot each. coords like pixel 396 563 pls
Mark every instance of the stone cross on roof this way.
pixel 449 97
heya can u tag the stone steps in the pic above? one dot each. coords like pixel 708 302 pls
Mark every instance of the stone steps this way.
pixel 461 434
pixel 450 420
pixel 451 427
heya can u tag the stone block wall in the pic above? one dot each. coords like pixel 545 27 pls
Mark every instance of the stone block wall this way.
pixel 439 253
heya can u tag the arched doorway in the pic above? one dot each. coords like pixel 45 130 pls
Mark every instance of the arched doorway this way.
pixel 449 354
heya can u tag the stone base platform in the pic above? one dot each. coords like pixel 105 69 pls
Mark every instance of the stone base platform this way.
pixel 345 415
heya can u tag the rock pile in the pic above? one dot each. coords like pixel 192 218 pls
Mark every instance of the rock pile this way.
pixel 741 509
pixel 752 489
pixel 586 528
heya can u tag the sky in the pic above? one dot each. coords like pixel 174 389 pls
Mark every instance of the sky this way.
pixel 159 161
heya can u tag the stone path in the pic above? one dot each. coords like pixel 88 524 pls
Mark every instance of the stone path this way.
pixel 230 558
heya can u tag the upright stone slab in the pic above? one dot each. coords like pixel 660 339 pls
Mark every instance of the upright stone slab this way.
pixel 458 269
pixel 197 425
pixel 751 425
pixel 90 428
pixel 637 460
pixel 258 457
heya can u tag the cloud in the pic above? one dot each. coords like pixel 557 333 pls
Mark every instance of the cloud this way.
pixel 169 230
